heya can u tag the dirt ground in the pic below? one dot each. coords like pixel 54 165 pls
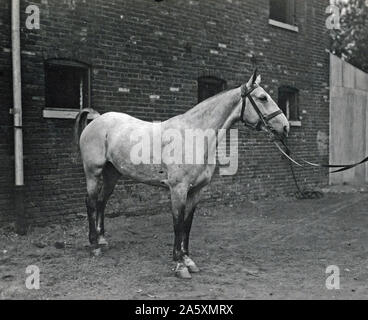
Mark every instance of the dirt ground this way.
pixel 277 249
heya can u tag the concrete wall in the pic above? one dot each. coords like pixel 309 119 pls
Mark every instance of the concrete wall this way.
pixel 146 48
pixel 348 117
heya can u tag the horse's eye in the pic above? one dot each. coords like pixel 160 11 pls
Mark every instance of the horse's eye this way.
pixel 263 98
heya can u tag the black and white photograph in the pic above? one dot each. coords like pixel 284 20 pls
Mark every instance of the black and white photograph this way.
pixel 194 151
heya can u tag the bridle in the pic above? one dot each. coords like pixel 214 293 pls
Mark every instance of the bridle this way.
pixel 263 119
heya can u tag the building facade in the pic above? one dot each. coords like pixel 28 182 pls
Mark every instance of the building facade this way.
pixel 154 60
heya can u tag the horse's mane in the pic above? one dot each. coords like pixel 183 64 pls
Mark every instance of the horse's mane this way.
pixel 220 93
pixel 210 99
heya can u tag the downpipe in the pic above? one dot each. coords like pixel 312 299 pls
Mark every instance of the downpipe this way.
pixel 20 219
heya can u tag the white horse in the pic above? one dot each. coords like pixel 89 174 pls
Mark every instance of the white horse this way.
pixel 105 147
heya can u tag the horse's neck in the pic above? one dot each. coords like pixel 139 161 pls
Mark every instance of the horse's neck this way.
pixel 219 112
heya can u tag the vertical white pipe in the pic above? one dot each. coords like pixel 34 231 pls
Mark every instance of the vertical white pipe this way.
pixel 17 94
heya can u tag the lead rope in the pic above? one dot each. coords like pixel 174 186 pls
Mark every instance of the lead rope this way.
pixel 303 194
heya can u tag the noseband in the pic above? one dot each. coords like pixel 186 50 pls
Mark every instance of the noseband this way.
pixel 263 119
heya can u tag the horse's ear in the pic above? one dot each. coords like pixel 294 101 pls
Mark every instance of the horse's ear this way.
pixel 258 80
pixel 254 79
pixel 254 76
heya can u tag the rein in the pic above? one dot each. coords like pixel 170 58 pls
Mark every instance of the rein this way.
pixel 338 167
pixel 264 120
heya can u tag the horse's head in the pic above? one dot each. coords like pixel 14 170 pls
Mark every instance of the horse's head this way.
pixel 260 111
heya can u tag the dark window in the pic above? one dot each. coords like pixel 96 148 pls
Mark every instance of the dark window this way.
pixel 283 11
pixel 289 102
pixel 209 86
pixel 67 84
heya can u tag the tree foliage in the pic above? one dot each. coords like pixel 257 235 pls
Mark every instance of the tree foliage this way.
pixel 350 41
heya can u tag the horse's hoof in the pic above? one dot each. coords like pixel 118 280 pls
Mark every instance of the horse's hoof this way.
pixel 190 264
pixel 102 242
pixel 96 252
pixel 182 272
pixel 193 268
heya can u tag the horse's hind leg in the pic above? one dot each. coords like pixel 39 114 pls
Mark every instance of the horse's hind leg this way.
pixel 94 185
pixel 110 177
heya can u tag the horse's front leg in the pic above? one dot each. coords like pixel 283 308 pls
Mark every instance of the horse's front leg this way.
pixel 191 203
pixel 178 201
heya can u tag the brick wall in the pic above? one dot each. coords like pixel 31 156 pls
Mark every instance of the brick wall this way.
pixel 6 137
pixel 149 47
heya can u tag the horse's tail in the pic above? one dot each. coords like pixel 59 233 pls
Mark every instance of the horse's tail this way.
pixel 81 123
